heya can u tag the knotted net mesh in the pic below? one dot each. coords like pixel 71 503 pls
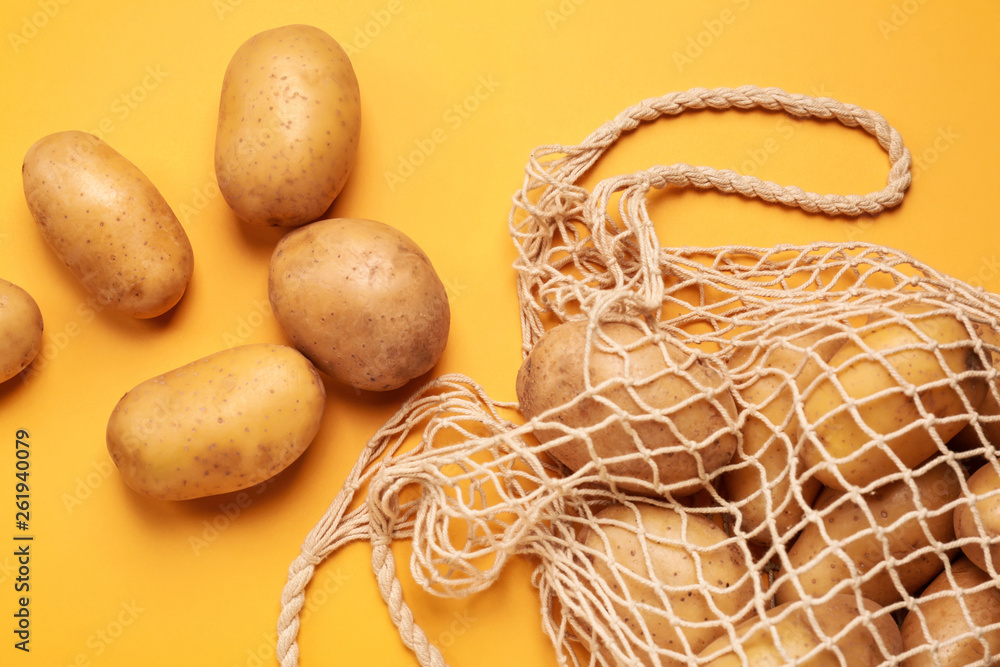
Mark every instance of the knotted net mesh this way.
pixel 719 456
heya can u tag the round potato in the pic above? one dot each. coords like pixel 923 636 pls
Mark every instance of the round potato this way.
pixel 222 423
pixel 909 522
pixel 108 223
pixel 924 346
pixel 949 640
pixel 289 120
pixel 361 300
pixel 20 330
pixel 654 418
pixel 984 485
pixel 672 578
pixel 801 631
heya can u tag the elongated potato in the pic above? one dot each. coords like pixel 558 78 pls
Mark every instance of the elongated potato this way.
pixel 108 223
pixel 984 485
pixel 801 632
pixel 20 330
pixel 868 533
pixel 910 340
pixel 949 640
pixel 761 480
pixel 362 300
pixel 289 120
pixel 666 572
pixel 681 429
pixel 219 424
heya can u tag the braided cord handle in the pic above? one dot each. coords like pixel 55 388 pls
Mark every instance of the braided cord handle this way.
pixel 550 196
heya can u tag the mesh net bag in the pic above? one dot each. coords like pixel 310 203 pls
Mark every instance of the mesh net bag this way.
pixel 719 456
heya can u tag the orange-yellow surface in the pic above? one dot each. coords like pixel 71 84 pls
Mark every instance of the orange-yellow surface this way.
pixel 455 96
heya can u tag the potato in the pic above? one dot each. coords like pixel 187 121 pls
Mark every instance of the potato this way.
pixel 948 639
pixel 106 221
pixel 799 635
pixel 984 485
pixel 909 339
pixel 988 414
pixel 20 330
pixel 289 120
pixel 222 423
pixel 647 558
pixel 869 533
pixel 672 441
pixel 760 483
pixel 361 300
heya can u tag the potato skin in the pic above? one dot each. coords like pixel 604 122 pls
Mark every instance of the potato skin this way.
pixel 941 610
pixel 984 486
pixel 108 223
pixel 799 637
pixel 288 127
pixel 675 542
pixel 21 328
pixel 361 300
pixel 552 377
pixel 790 358
pixel 839 448
pixel 844 520
pixel 222 423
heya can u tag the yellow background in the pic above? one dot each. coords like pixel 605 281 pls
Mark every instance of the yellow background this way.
pixel 120 580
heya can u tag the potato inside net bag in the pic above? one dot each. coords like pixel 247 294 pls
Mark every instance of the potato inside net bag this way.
pixel 719 456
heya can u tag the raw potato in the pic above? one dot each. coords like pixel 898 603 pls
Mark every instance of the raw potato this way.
pixel 361 300
pixel 108 223
pixel 620 542
pixel 664 374
pixel 789 357
pixel 984 485
pixel 222 423
pixel 949 640
pixel 988 414
pixel 824 568
pixel 289 120
pixel 799 636
pixel 20 330
pixel 852 453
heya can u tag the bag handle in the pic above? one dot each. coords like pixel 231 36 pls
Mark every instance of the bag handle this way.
pixel 550 196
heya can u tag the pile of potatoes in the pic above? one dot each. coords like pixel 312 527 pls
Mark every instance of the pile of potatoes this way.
pixel 358 300
pixel 826 488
